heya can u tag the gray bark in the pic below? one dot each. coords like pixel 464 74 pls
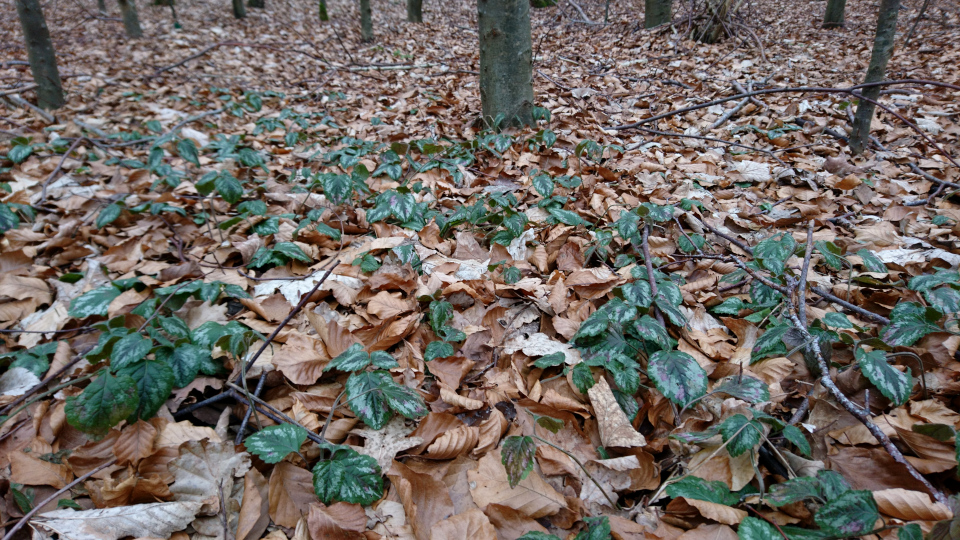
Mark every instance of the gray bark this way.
pixel 506 62
pixel 131 22
pixel 102 6
pixel 882 51
pixel 415 11
pixel 656 12
pixel 834 15
pixel 43 59
pixel 239 10
pixel 323 11
pixel 366 21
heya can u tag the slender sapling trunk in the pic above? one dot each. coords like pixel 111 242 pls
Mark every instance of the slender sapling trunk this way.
pixel 506 62
pixel 366 21
pixel 834 15
pixel 415 11
pixel 239 10
pixel 656 12
pixel 882 51
pixel 131 22
pixel 43 59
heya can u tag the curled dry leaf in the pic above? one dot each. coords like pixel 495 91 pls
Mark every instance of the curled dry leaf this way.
pixel 454 443
pixel 339 521
pixel 452 398
pixel 204 470
pixel 910 505
pixel 615 428
pixel 255 507
pixel 532 497
pixel 472 524
pixel 134 489
pixel 425 499
pixel 491 430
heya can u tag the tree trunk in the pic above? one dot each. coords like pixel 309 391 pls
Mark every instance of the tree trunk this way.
pixel 415 11
pixel 256 3
pixel 323 11
pixel 43 59
pixel 102 6
pixel 656 12
pixel 506 62
pixel 834 16
pixel 366 21
pixel 131 22
pixel 882 51
pixel 239 10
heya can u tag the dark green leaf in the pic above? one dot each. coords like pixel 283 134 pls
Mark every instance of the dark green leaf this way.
pixel 129 349
pixel 349 477
pixel 188 151
pixel 651 330
pixel 550 360
pixel 438 349
pixel 153 380
pixel 273 443
pixel 517 456
pixel 228 187
pixel 945 299
pixel 691 243
pixel 752 528
pixel 383 360
pixel 851 514
pixel 93 302
pixel 352 359
pixel 537 535
pixel 871 262
pixel 744 387
pixel 20 152
pixel 771 340
pixel 774 252
pixel 8 218
pixel 677 376
pixel 553 425
pixel 832 484
pixel 565 216
pixel 404 400
pixel 910 531
pixel 793 490
pixel 794 435
pixel 940 432
pixel 582 377
pixel 103 403
pixel 740 434
pixel 832 255
pixel 598 528
pixel 366 399
pixel 692 487
pixel 894 384
pixel 185 363
pixel 637 293
pixel 292 250
pixel 108 215
pixel 926 282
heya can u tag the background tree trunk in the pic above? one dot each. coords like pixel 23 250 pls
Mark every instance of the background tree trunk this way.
pixel 256 3
pixel 415 11
pixel 102 6
pixel 834 16
pixel 882 51
pixel 239 10
pixel 506 62
pixel 43 59
pixel 656 12
pixel 131 22
pixel 366 21
pixel 323 11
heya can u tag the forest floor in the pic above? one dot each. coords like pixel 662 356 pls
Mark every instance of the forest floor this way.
pixel 589 330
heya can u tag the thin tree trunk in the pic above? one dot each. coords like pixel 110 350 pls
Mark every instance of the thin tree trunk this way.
pixel 506 62
pixel 366 21
pixel 43 59
pixel 323 11
pixel 239 10
pixel 882 51
pixel 834 15
pixel 923 10
pixel 131 22
pixel 656 12
pixel 415 11
pixel 256 3
pixel 102 6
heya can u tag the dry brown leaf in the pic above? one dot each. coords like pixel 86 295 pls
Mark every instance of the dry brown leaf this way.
pixel 425 500
pixel 718 512
pixel 455 442
pixel 472 524
pixel 291 493
pixel 30 470
pixel 384 444
pixel 134 489
pixel 491 430
pixel 339 521
pixel 255 508
pixel 511 524
pixel 910 505
pixel 301 359
pixel 136 442
pixel 615 428
pixel 532 497
pixel 452 398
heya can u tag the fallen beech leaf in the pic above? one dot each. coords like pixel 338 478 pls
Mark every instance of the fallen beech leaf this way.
pixel 157 520
pixel 472 524
pixel 532 497
pixel 206 469
pixel 339 521
pixel 615 428
pixel 291 493
pixel 136 442
pixel 134 489
pixel 453 443
pixel 910 505
pixel 255 508
pixel 425 499
pixel 384 444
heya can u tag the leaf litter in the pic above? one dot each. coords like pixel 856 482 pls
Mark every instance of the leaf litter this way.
pixel 558 330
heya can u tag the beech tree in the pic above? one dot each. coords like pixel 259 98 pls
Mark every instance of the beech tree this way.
pixel 40 53
pixel 656 12
pixel 834 15
pixel 239 10
pixel 131 21
pixel 506 62
pixel 415 11
pixel 256 3
pixel 366 21
pixel 882 51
